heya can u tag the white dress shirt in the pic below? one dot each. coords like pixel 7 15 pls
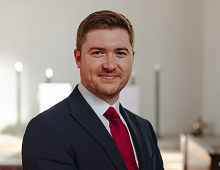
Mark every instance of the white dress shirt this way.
pixel 100 107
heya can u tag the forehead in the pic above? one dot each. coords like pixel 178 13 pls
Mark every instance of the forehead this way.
pixel 116 36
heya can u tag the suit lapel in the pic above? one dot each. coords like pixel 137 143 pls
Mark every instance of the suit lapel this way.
pixel 143 152
pixel 88 119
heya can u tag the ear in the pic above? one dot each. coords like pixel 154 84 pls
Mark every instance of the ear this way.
pixel 77 57
pixel 133 52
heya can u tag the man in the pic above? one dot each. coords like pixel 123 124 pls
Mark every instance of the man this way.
pixel 90 130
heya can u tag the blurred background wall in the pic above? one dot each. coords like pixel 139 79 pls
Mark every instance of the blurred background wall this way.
pixel 211 66
pixel 181 35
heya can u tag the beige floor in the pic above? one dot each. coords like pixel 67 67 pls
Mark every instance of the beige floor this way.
pixel 173 160
pixel 10 150
pixel 170 151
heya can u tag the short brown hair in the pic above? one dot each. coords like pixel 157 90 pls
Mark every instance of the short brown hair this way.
pixel 103 20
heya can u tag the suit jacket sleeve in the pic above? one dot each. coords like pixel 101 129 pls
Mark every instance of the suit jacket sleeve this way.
pixel 45 147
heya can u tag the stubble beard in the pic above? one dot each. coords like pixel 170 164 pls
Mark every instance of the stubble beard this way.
pixel 104 90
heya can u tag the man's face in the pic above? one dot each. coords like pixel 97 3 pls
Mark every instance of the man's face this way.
pixel 105 62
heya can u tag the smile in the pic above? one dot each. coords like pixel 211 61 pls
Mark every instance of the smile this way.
pixel 108 76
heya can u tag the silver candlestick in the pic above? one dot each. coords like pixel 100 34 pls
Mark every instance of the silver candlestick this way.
pixel 18 69
pixel 157 98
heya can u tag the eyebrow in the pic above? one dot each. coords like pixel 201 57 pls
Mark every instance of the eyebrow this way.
pixel 102 48
pixel 96 48
pixel 124 48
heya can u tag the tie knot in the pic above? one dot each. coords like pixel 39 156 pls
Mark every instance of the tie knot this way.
pixel 111 113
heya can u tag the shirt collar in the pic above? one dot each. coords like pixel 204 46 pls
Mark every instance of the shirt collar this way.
pixel 98 105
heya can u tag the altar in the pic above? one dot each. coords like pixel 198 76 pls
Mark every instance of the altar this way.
pixel 200 153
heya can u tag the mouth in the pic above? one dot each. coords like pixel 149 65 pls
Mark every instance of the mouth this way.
pixel 108 76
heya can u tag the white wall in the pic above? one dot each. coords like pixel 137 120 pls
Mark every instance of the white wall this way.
pixel 170 34
pixel 211 66
pixel 42 34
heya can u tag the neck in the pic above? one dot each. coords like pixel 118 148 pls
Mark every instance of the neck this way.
pixel 110 100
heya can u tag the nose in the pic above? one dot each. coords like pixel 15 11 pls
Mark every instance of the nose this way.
pixel 110 63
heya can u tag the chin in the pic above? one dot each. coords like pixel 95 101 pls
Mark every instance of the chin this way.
pixel 109 91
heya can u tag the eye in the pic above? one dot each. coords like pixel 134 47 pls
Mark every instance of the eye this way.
pixel 97 53
pixel 121 54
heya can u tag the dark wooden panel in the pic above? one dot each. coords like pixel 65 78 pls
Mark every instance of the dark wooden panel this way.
pixel 10 168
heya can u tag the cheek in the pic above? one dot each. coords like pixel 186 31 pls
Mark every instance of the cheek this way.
pixel 94 65
pixel 126 67
pixel 90 68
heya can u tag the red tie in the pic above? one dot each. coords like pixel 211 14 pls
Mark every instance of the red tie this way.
pixel 121 138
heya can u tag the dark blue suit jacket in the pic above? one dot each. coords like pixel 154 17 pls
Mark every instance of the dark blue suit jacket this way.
pixel 70 136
